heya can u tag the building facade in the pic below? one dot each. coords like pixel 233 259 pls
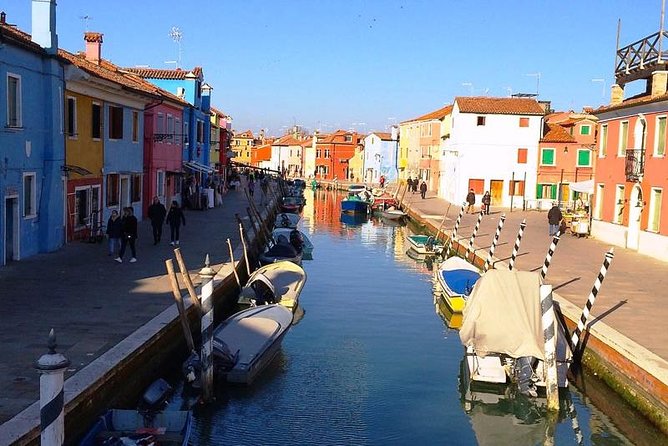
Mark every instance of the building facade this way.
pixel 380 156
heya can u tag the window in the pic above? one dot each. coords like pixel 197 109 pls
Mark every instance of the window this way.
pixel 186 133
pixel 516 188
pixel 135 187
pixel 623 137
pixel 604 141
pixel 547 191
pixel 585 129
pixel 115 122
pixel 547 157
pixel 524 122
pixel 112 189
pixel 477 185
pixel 200 131
pixel 600 188
pixel 522 156
pixel 96 124
pixel 326 153
pixel 29 195
pixel 14 101
pixel 160 124
pixel 619 204
pixel 660 144
pixel 655 209
pixel 318 153
pixel 584 158
pixel 135 126
pixel 177 135
pixel 170 128
pixel 348 138
pixel 480 121
pixel 71 122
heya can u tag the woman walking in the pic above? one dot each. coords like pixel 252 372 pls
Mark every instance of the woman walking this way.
pixel 114 232
pixel 129 235
pixel 174 218
pixel 486 201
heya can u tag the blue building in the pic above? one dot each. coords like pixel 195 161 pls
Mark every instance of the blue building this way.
pixel 380 156
pixel 32 144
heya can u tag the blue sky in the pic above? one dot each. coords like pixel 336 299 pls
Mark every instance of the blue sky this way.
pixel 364 64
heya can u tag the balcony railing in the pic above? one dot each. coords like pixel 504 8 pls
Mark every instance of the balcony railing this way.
pixel 635 165
pixel 648 51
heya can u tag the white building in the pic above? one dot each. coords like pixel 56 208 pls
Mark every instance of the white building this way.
pixel 286 155
pixel 492 146
pixel 380 156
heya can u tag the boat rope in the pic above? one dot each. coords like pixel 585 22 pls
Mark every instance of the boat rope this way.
pixel 516 247
pixel 453 237
pixel 488 262
pixel 475 232
pixel 586 311
pixel 550 253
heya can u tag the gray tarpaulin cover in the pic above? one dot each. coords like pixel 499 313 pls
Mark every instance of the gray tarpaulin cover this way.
pixel 502 315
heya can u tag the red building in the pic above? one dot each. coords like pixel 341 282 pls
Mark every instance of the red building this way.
pixel 333 153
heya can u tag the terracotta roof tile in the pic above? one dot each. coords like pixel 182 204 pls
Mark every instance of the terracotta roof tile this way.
pixel 642 98
pixel 499 106
pixel 246 134
pixel 21 37
pixel 287 140
pixel 384 136
pixel 165 73
pixel 556 133
pixel 307 142
pixel 436 114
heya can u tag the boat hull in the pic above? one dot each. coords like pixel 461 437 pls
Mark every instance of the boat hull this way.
pixel 456 277
pixel 116 423
pixel 354 206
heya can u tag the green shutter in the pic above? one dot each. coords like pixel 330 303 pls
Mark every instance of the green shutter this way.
pixel 539 191
pixel 584 158
pixel 547 157
pixel 661 145
pixel 584 130
pixel 553 191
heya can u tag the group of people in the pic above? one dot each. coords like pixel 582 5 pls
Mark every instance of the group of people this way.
pixel 122 230
pixel 413 185
pixel 486 202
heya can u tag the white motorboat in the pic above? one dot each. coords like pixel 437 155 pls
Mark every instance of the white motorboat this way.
pixel 279 282
pixel 393 214
pixel 246 343
pixel 287 220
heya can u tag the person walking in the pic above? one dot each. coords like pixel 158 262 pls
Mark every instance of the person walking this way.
pixel 114 232
pixel 382 181
pixel 129 235
pixel 174 218
pixel 554 218
pixel 423 189
pixel 486 201
pixel 470 199
pixel 251 187
pixel 157 213
pixel 409 183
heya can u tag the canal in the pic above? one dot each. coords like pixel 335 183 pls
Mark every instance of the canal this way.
pixel 373 361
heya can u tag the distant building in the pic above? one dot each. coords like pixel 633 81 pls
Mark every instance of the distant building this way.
pixel 333 153
pixel 380 156
pixel 242 144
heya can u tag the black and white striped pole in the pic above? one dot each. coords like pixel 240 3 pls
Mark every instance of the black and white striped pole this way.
pixel 453 237
pixel 51 367
pixel 473 235
pixel 550 253
pixel 516 247
pixel 586 311
pixel 549 334
pixel 206 353
pixel 575 425
pixel 492 248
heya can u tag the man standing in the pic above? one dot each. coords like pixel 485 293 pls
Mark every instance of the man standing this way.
pixel 157 213
pixel 129 235
pixel 423 189
pixel 554 218
pixel 470 199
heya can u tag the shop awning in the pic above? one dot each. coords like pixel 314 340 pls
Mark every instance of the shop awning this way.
pixel 198 167
pixel 586 187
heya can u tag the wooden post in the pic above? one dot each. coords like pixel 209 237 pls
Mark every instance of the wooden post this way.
pixel 234 266
pixel 206 328
pixel 516 247
pixel 549 332
pixel 252 221
pixel 243 244
pixel 490 257
pixel 176 291
pixel 186 278
pixel 445 216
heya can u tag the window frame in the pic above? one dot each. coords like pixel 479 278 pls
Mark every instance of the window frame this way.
pixel 623 143
pixel 71 124
pixel 177 129
pixel 18 103
pixel 577 160
pixel 655 209
pixel 522 155
pixel 524 120
pixel 115 200
pixel 620 204
pixel 93 127
pixel 588 127
pixel 481 120
pixel 30 198
pixel 657 139
pixel 135 126
pixel 115 126
pixel 170 128
pixel 603 143
pixel 135 187
pixel 554 156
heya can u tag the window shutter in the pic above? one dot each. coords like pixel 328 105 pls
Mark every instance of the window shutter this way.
pixel 539 190
pixel 583 158
pixel 553 191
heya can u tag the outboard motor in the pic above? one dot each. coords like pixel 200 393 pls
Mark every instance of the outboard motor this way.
pixel 285 221
pixel 429 244
pixel 525 376
pixel 297 240
pixel 263 294
pixel 223 356
pixel 156 395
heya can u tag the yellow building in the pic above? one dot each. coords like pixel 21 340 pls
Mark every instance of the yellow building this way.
pixel 356 165
pixel 242 144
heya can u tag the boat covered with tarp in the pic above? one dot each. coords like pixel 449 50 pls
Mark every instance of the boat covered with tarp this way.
pixel 456 277
pixel 503 335
pixel 297 238
pixel 279 283
pixel 281 250
pixel 286 220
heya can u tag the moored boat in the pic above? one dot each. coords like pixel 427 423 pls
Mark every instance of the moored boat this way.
pixel 355 204
pixel 393 214
pixel 456 277
pixel 290 205
pixel 279 282
pixel 286 220
pixel 282 250
pixel 296 237
pixel 424 244
pixel 246 343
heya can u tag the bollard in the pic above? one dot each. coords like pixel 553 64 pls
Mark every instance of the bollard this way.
pixel 548 257
pixel 516 247
pixel 453 236
pixel 206 353
pixel 473 235
pixel 51 367
pixel 488 262
pixel 549 333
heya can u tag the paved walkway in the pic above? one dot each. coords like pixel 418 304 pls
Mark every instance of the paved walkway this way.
pixel 93 302
pixel 632 297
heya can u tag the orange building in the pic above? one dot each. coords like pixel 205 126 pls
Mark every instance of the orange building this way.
pixel 333 153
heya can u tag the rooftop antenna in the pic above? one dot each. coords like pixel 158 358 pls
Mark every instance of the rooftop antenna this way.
pixel 85 19
pixel 176 35
pixel 537 76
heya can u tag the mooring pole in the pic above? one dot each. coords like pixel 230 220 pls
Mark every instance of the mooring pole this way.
pixel 206 353
pixel 516 247
pixel 550 364
pixel 243 244
pixel 586 311
pixel 186 278
pixel 176 291
pixel 51 367
pixel 234 266
pixel 453 236
pixel 548 257
pixel 473 235
pixel 490 256
pixel 445 216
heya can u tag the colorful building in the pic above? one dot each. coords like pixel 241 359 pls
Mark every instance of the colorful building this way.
pixel 333 152
pixel 380 156
pixel 32 152
pixel 242 145
pixel 286 155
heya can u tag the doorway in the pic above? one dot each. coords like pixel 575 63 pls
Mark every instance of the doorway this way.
pixel 635 212
pixel 496 192
pixel 11 225
pixel 125 192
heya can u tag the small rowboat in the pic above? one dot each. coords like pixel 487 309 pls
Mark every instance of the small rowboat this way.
pixel 393 214
pixel 424 244
pixel 456 277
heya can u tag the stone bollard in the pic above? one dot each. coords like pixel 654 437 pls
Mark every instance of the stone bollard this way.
pixel 51 367
pixel 207 274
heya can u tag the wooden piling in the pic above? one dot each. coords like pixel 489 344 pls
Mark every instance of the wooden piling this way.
pixel 243 244
pixel 186 279
pixel 234 266
pixel 490 256
pixel 176 291
pixel 516 247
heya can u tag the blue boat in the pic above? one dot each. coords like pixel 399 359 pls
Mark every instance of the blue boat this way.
pixel 354 205
pixel 457 278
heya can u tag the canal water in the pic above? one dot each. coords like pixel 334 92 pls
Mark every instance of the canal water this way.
pixel 373 362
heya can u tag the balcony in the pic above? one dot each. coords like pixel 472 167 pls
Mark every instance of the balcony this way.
pixel 635 165
pixel 638 60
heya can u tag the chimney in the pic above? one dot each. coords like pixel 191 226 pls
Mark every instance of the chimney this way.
pixel 659 82
pixel 44 25
pixel 93 47
pixel 3 18
pixel 616 94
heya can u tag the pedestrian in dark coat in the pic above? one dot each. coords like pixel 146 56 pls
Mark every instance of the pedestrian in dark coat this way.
pixel 554 218
pixel 470 199
pixel 423 189
pixel 129 235
pixel 486 201
pixel 174 218
pixel 114 232
pixel 409 184
pixel 157 213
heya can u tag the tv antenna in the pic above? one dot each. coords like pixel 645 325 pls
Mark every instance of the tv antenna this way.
pixel 85 19
pixel 176 35
pixel 537 76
